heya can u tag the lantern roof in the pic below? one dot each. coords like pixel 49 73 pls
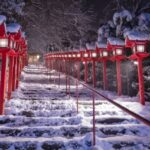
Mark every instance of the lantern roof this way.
pixel 101 44
pixel 2 19
pixel 90 46
pixel 75 50
pixel 138 35
pixel 13 28
pixel 115 41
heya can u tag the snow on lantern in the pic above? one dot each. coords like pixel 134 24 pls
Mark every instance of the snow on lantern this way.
pixel 138 42
pixel 101 48
pixel 115 47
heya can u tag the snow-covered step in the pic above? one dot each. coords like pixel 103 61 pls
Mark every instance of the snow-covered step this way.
pixel 79 143
pixel 41 116
pixel 70 131
pixel 38 121
pixel 45 131
pixel 126 142
pixel 40 104
pixel 43 113
pixel 43 143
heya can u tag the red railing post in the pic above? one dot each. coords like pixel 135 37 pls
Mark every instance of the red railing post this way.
pixel 119 80
pixel 141 81
pixel 10 80
pixel 3 83
pixel 17 75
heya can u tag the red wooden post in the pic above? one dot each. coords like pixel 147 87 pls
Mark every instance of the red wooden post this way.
pixel 105 82
pixel 141 81
pixel 3 83
pixel 119 80
pixel 17 75
pixel 11 65
pixel 14 74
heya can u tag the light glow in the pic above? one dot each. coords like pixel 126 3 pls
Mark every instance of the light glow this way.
pixel 118 51
pixel 3 42
pixel 105 54
pixel 78 55
pixel 74 55
pixel 94 55
pixel 140 48
pixel 38 56
pixel 135 62
pixel 86 55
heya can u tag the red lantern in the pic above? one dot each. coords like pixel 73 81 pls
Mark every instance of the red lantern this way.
pixel 103 54
pixel 115 47
pixel 138 42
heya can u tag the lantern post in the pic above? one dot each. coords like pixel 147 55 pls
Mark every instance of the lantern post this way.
pixel 102 52
pixel 6 50
pixel 139 42
pixel 116 50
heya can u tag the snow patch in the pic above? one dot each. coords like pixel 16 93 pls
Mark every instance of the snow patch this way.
pixel 123 14
pixel 13 27
pixel 138 35
pixel 101 44
pixel 116 41
pixel 90 46
pixel 2 19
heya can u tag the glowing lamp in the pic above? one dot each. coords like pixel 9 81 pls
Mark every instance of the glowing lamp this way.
pixel 94 54
pixel 104 54
pixel 119 51
pixel 86 55
pixel 38 56
pixel 140 48
pixel 78 55
pixel 4 43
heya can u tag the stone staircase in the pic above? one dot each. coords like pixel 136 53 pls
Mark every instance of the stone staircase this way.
pixel 41 116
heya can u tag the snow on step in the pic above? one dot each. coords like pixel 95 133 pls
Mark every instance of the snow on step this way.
pixel 41 116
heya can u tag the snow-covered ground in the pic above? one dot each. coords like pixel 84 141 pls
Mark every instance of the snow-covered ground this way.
pixel 41 116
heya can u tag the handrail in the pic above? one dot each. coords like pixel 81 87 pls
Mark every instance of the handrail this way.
pixel 133 114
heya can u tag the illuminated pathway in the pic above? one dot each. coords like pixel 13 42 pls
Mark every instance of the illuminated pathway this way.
pixel 41 116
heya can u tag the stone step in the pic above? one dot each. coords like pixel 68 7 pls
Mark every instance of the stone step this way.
pixel 40 105
pixel 43 113
pixel 13 121
pixel 82 143
pixel 70 131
